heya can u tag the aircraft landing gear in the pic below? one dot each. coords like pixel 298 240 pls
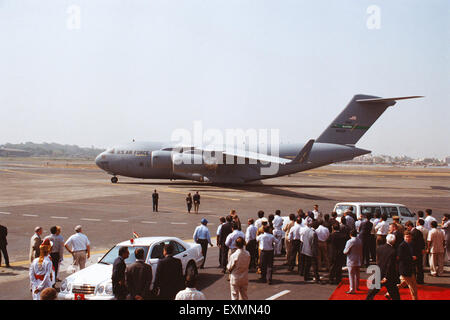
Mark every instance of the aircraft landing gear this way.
pixel 114 179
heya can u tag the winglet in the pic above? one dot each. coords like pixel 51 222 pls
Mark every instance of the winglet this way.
pixel 387 99
pixel 303 155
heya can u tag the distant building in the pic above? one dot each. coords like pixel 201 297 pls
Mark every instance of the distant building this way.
pixel 447 160
pixel 7 152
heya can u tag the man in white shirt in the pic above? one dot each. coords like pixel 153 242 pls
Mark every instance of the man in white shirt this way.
pixel 266 245
pixel 190 293
pixel 250 239
pixel 382 229
pixel 323 234
pixel 230 242
pixel 278 232
pixel 317 214
pixel 79 246
pixel 238 266
pixel 258 222
pixel 429 219
pixel 294 238
pixel 203 238
pixel 420 226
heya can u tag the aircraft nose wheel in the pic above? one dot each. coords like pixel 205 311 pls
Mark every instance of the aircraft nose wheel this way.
pixel 114 179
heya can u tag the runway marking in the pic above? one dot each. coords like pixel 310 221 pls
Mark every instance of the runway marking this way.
pixel 89 219
pixel 59 217
pixel 276 296
pixel 119 220
pixel 178 223
pixel 5 212
pixel 30 215
pixel 148 222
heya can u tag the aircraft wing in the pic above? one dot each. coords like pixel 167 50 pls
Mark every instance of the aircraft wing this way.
pixel 233 156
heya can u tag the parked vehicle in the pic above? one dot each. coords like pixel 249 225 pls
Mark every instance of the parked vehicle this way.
pixel 94 282
pixel 370 208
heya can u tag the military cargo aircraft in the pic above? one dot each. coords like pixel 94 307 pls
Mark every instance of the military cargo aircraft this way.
pixel 232 165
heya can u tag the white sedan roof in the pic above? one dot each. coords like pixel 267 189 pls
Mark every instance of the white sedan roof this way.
pixel 370 204
pixel 147 241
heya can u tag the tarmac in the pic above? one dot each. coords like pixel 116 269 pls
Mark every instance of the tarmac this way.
pixel 44 192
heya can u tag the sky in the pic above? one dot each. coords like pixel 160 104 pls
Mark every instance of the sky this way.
pixel 103 72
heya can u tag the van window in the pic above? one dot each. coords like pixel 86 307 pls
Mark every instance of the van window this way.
pixel 390 211
pixel 370 211
pixel 404 211
pixel 340 209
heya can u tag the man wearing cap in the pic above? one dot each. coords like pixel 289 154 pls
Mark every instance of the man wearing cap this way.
pixel 202 237
pixel 266 244
pixel 35 242
pixel 78 245
pixel 41 270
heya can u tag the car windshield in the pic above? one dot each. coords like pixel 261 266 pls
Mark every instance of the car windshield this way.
pixel 340 209
pixel 114 253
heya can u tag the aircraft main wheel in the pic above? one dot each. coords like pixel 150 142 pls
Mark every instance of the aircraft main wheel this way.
pixel 114 179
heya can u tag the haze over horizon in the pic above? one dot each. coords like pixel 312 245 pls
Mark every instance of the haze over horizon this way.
pixel 141 69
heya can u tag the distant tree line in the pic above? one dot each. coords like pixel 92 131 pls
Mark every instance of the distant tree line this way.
pixel 55 150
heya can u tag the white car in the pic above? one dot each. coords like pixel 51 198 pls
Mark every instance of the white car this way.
pixel 94 282
pixel 370 208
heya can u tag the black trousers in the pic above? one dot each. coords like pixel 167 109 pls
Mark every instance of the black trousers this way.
pixel 5 253
pixel 391 288
pixel 308 262
pixel 253 250
pixel 267 264
pixel 155 205
pixel 189 207
pixel 224 255
pixel 336 268
pixel 366 251
pixel 419 269
pixel 373 247
pixel 204 244
pixel 55 260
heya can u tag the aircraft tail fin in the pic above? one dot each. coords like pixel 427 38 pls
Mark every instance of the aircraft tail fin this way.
pixel 354 121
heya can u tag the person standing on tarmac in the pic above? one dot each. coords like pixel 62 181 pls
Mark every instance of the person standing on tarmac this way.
pixel 155 197
pixel 196 199
pixel 202 237
pixel 118 274
pixel 189 202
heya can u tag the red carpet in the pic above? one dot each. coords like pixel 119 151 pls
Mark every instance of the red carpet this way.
pixel 425 292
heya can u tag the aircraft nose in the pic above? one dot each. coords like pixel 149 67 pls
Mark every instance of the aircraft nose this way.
pixel 98 160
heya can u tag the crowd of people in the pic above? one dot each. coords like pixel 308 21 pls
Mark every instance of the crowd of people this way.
pixel 47 254
pixel 313 243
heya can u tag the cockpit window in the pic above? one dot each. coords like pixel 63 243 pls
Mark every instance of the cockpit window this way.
pixel 111 151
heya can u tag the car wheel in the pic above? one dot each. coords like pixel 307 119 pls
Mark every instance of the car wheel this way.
pixel 191 270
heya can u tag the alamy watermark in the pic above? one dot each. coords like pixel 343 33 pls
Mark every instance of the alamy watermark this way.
pixel 230 146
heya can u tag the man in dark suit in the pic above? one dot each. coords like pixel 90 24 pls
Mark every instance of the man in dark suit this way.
pixel 406 265
pixel 364 234
pixel 3 244
pixel 139 277
pixel 169 278
pixel 155 198
pixel 418 244
pixel 225 230
pixel 118 274
pixel 386 260
pixel 337 239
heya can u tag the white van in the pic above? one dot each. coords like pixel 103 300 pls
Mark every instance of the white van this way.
pixel 370 208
